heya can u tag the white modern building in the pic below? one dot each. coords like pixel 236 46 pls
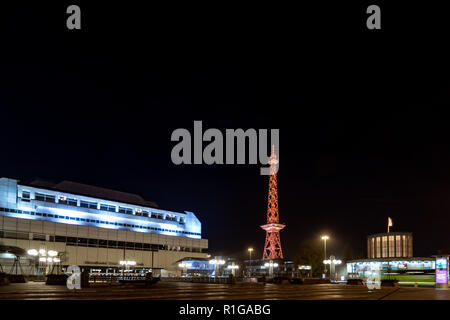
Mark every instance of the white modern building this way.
pixel 95 228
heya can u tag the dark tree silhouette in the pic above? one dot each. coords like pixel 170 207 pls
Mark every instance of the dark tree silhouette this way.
pixel 310 253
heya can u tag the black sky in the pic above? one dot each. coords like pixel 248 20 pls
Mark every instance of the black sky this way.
pixel 364 126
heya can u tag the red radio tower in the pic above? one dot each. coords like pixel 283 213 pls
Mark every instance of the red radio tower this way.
pixel 272 247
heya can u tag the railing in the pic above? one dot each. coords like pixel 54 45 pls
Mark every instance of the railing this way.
pixel 199 279
pixel 108 278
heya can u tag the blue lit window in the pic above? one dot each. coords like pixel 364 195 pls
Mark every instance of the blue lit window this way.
pixel 72 202
pixel 44 197
pixel 26 196
pixel 107 207
pixel 89 205
pixel 141 213
pixel 67 201
pixel 125 210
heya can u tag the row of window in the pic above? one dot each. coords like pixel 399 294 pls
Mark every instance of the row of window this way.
pixel 390 246
pixel 26 196
pixel 118 224
pixel 96 243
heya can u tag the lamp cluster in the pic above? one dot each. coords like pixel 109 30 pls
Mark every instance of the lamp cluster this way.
pixel 334 261
pixel 303 267
pixel 185 265
pixel 44 256
pixel 271 264
pixel 215 261
pixel 232 266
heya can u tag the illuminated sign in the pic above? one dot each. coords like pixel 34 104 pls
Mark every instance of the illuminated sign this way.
pixel 441 270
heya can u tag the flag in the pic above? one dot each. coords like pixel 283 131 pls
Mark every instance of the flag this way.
pixel 390 224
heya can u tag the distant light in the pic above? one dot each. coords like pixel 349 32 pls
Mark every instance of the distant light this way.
pixel 127 263
pixel 32 252
pixel 250 249
pixel 42 259
pixel 49 259
pixel 303 267
pixel 324 237
pixel 42 252
pixel 232 267
pixel 56 260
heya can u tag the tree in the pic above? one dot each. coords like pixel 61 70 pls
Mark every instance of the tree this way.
pixel 310 253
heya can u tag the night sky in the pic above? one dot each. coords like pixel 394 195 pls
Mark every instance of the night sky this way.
pixel 363 115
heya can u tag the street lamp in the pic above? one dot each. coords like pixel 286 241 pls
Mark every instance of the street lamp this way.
pixel 325 238
pixel 32 252
pixel 184 266
pixel 126 263
pixel 332 262
pixel 45 258
pixel 52 253
pixel 271 265
pixel 233 269
pixel 250 250
pixel 216 263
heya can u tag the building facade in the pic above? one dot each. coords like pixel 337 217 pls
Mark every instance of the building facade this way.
pixel 390 245
pixel 97 228
pixel 397 267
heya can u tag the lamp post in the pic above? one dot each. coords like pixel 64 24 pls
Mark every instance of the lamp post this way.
pixel 184 265
pixel 46 259
pixel 34 253
pixel 305 267
pixel 233 268
pixel 125 264
pixel 250 250
pixel 216 262
pixel 271 265
pixel 332 262
pixel 325 238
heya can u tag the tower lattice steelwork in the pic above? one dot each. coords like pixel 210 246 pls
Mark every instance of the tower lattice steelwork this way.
pixel 272 246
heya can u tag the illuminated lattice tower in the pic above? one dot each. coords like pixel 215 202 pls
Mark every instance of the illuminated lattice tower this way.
pixel 272 246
